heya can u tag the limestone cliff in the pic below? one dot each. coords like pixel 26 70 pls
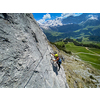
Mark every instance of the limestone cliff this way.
pixel 25 55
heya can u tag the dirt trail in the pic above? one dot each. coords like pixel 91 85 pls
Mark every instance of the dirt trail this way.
pixel 87 48
pixel 87 53
pixel 92 51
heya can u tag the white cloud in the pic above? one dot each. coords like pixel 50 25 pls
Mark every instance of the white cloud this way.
pixel 93 17
pixel 41 21
pixel 47 16
pixel 55 22
pixel 63 15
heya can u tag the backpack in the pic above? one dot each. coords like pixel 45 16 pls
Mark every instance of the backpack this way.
pixel 59 61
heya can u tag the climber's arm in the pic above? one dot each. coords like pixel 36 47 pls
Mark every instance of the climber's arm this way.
pixel 56 59
pixel 52 54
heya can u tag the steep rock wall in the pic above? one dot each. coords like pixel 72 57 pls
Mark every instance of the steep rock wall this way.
pixel 25 55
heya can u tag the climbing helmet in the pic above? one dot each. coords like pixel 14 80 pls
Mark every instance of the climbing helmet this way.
pixel 56 55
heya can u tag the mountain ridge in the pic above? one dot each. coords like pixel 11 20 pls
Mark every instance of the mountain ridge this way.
pixel 87 24
pixel 70 19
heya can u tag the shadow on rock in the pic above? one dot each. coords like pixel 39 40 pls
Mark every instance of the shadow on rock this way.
pixel 54 68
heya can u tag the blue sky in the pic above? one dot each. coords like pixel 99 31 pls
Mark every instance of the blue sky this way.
pixel 42 17
pixel 39 16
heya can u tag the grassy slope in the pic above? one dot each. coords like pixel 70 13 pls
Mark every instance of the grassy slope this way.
pixel 95 50
pixel 85 33
pixel 90 55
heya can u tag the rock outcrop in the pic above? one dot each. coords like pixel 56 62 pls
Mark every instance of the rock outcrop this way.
pixel 25 55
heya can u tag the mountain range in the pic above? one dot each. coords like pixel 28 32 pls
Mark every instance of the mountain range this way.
pixel 87 24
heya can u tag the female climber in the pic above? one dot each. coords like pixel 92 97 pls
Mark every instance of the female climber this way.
pixel 57 59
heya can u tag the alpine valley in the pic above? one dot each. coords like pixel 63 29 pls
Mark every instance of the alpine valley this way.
pixel 85 27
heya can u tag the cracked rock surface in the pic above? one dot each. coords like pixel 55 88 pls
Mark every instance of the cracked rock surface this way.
pixel 25 55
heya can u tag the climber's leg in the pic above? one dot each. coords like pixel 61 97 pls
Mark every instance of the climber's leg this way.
pixel 59 66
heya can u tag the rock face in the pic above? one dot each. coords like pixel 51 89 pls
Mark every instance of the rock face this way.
pixel 25 55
